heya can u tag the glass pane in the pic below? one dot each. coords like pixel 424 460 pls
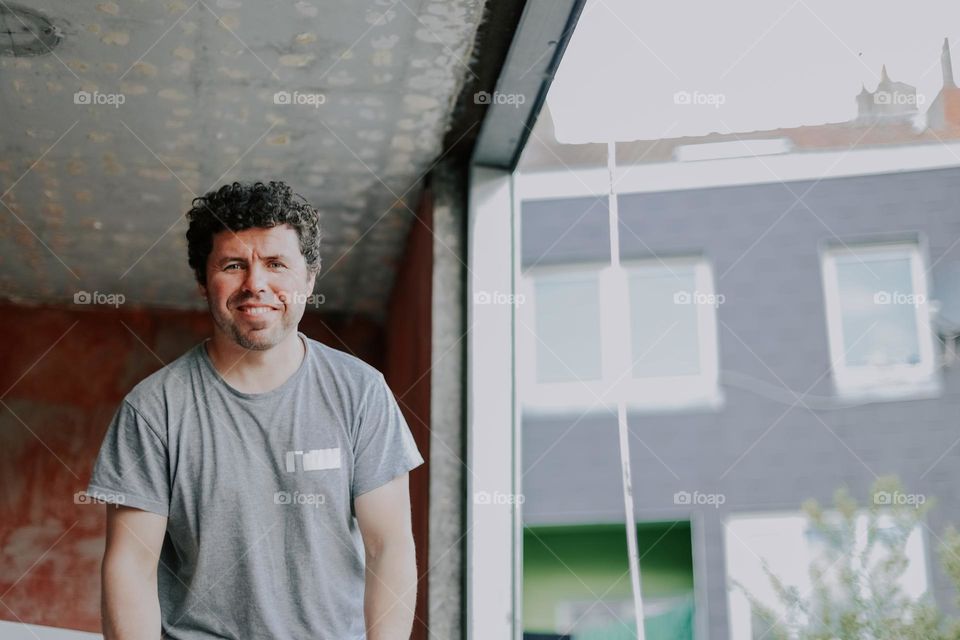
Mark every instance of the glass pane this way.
pixel 577 583
pixel 663 322
pixel 785 547
pixel 568 327
pixel 753 153
pixel 877 304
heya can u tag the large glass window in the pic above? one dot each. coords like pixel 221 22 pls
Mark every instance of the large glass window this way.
pixel 728 253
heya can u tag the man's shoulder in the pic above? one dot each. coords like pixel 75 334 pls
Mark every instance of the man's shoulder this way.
pixel 174 377
pixel 342 364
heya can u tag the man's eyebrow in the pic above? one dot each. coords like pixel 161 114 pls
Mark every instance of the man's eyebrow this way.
pixel 226 259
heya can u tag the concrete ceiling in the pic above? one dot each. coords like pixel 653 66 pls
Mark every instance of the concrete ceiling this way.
pixel 93 195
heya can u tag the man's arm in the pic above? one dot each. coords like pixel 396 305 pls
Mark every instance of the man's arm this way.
pixel 130 607
pixel 391 578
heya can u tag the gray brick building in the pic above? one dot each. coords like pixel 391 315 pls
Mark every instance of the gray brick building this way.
pixel 783 431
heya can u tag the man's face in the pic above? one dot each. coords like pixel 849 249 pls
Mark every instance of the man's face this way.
pixel 257 285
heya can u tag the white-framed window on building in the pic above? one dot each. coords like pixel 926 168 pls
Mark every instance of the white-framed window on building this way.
pixel 560 337
pixel 672 309
pixel 878 320
pixel 590 334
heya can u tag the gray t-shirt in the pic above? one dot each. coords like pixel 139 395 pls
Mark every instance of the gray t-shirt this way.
pixel 262 539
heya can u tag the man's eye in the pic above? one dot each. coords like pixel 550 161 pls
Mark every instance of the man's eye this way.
pixel 277 264
pixel 230 266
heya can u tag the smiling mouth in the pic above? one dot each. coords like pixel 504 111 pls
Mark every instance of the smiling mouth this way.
pixel 255 310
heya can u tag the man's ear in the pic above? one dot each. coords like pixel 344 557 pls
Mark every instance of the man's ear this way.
pixel 203 290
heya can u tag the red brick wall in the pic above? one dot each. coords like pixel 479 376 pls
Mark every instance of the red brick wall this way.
pixel 407 370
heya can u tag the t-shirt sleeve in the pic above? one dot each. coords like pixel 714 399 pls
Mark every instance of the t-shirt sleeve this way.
pixel 131 468
pixel 384 446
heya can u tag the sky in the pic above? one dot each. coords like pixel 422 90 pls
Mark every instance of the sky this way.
pixel 638 70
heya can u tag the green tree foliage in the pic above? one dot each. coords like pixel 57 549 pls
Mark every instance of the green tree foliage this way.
pixel 855 592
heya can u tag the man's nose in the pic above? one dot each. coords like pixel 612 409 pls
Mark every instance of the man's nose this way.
pixel 256 279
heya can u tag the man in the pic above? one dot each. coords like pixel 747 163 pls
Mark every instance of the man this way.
pixel 259 480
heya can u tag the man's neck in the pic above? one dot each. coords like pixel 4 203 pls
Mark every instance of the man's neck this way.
pixel 253 371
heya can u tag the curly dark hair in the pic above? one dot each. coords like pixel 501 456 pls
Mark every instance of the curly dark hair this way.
pixel 237 206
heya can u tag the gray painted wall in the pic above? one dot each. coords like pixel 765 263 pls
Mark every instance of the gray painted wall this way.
pixel 447 564
pixel 766 264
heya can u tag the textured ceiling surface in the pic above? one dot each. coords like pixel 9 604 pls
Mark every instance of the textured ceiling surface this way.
pixel 144 105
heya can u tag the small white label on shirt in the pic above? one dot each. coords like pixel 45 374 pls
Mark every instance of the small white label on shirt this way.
pixel 314 459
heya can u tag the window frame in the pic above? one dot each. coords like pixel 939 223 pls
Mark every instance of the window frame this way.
pixel 703 388
pixel 494 606
pixel 577 394
pixel 876 382
pixel 653 393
